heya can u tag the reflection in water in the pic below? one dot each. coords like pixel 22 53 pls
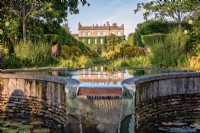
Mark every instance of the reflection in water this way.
pixel 97 76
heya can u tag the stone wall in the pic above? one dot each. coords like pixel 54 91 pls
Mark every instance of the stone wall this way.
pixel 29 96
pixel 165 95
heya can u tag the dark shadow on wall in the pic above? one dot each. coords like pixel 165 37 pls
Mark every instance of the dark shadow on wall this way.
pixel 17 106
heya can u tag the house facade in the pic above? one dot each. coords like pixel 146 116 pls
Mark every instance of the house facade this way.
pixel 96 34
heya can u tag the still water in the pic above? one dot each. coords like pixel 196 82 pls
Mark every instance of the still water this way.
pixel 99 76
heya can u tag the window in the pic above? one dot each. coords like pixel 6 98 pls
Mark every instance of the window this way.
pixel 89 33
pixel 101 41
pixel 113 32
pixel 83 33
pixel 89 41
pixel 98 33
pixel 104 33
pixel 119 33
pixel 95 41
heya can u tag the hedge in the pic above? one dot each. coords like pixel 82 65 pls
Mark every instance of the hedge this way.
pixel 153 38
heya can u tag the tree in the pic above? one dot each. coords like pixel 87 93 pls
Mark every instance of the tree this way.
pixel 54 10
pixel 113 40
pixel 177 10
pixel 130 39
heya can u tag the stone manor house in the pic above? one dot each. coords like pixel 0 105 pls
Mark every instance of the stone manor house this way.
pixel 96 34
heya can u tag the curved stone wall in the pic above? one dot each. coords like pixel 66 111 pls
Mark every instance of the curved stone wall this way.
pixel 165 95
pixel 28 96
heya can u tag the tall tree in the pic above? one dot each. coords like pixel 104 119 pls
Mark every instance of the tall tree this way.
pixel 177 10
pixel 40 9
pixel 130 39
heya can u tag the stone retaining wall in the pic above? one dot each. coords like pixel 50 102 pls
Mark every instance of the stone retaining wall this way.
pixel 165 95
pixel 28 96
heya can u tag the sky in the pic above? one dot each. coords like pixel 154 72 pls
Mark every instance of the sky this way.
pixel 113 11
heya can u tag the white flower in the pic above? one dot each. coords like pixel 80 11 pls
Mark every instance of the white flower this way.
pixel 190 21
pixel 185 32
pixel 1 31
pixel 7 24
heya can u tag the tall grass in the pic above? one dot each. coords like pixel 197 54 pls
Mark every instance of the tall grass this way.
pixel 170 52
pixel 29 54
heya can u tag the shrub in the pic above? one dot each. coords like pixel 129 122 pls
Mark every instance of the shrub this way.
pixel 150 27
pixel 65 52
pixel 83 61
pixel 75 51
pixel 141 61
pixel 133 51
pixel 194 61
pixel 3 56
pixel 112 54
pixel 76 62
pixel 152 38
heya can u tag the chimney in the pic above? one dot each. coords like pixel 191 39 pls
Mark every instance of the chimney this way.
pixel 107 23
pixel 79 25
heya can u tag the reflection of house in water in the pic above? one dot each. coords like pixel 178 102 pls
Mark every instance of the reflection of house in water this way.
pixel 100 76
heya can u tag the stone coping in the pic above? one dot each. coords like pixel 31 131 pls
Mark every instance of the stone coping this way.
pixel 38 69
pixel 62 80
pixel 154 77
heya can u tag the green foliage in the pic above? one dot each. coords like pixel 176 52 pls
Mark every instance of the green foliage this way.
pixel 63 36
pixel 130 39
pixel 152 38
pixel 169 52
pixel 113 40
pixel 194 36
pixel 77 62
pixel 112 54
pixel 3 56
pixel 177 10
pixel 101 61
pixel 65 52
pixel 154 27
pixel 24 12
pixel 75 51
pixel 140 61
pixel 47 38
pixel 32 54
pixel 132 51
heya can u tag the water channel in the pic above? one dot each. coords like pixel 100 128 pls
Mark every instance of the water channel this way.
pixel 102 85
